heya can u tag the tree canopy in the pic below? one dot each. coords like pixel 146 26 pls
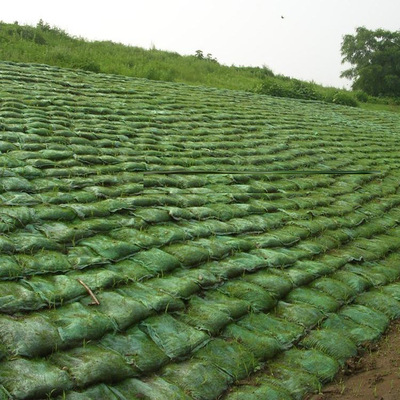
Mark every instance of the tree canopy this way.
pixel 375 60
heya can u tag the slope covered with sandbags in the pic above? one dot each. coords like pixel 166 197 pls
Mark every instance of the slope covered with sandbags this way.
pixel 166 241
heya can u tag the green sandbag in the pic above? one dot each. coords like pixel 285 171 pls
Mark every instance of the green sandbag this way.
pixel 156 261
pixel 43 262
pixel 30 243
pixel 295 380
pixel 9 268
pixel 392 290
pixel 216 227
pixel 194 229
pixel 92 364
pixel 318 299
pixel 54 213
pixel 200 379
pixel 258 297
pixel 129 270
pixel 153 388
pixel 234 307
pixel 312 361
pixel 359 333
pixel 151 298
pixel 304 272
pixel 15 297
pixel 81 257
pixel 174 337
pixel 122 309
pixel 276 285
pixel 285 332
pixel 302 314
pixel 188 254
pixel 166 233
pixel 262 346
pixel 25 379
pixel 177 286
pixel 200 276
pixel 337 289
pixel 380 301
pixel 366 316
pixel 137 348
pixel 259 391
pixel 218 247
pixel 334 344
pixel 374 274
pixel 76 322
pixel 96 392
pixel 96 278
pixel 110 249
pixel 205 315
pixel 356 282
pixel 230 356
pixel 65 233
pixel 137 237
pixel 153 215
pixel 32 336
pixel 275 258
pixel 56 289
pixel 235 265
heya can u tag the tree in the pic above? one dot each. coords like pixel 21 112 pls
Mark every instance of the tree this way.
pixel 200 55
pixel 375 60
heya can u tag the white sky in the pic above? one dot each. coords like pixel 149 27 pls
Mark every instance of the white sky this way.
pixel 305 44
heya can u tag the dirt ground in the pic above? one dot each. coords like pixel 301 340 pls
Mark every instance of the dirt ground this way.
pixel 375 375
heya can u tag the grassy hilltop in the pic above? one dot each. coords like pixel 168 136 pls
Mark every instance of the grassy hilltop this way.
pixel 50 45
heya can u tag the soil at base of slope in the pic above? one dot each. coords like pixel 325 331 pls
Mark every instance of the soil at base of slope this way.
pixel 375 375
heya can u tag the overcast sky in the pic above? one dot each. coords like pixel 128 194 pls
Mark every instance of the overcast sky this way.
pixel 304 44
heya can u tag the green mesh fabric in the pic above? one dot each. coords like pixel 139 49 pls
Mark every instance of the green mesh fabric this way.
pixel 125 273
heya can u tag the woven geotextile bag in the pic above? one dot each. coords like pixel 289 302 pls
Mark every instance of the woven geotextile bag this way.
pixel 312 361
pixel 200 379
pixel 229 356
pixel 332 343
pixel 151 388
pixel 302 314
pixel 174 337
pixel 32 378
pixel 283 331
pixel 137 348
pixel 259 391
pixel 359 333
pixel 263 346
pixel 257 296
pixel 95 392
pixel 277 285
pixel 366 316
pixel 380 301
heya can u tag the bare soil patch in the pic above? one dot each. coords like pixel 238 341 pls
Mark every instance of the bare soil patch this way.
pixel 374 375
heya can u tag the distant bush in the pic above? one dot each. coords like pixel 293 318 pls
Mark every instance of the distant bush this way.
pixel 292 88
pixel 345 99
pixel 361 96
pixel 88 66
pixel 303 90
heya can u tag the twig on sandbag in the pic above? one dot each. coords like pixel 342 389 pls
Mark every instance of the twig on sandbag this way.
pixel 95 300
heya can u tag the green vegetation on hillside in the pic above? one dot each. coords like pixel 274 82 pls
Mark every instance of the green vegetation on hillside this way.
pixel 44 44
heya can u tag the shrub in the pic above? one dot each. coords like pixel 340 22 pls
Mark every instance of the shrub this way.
pixel 345 99
pixel 303 90
pixel 361 96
